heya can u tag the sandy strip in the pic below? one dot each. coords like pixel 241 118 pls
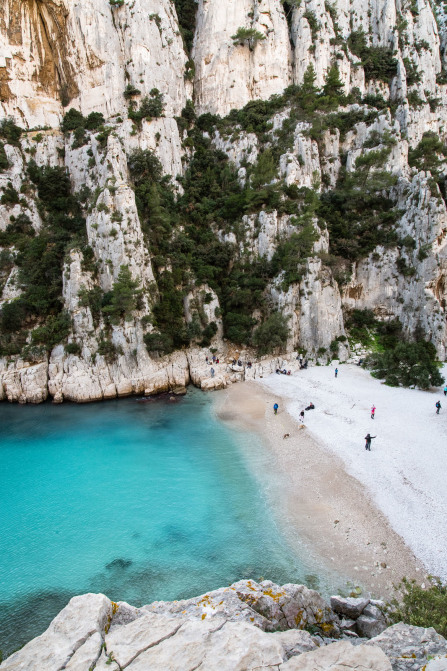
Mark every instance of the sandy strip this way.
pixel 329 510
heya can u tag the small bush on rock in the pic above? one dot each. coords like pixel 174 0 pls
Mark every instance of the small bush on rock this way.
pixel 421 607
pixel 249 36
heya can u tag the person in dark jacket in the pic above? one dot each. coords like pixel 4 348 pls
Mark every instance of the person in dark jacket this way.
pixel 368 439
pixel 438 407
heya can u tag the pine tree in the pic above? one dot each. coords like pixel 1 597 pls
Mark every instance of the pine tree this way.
pixel 308 90
pixel 333 88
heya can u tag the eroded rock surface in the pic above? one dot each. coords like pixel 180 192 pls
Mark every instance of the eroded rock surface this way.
pixel 243 627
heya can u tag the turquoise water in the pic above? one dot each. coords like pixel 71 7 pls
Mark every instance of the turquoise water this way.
pixel 140 501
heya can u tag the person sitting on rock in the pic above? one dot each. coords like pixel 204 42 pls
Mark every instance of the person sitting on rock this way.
pixel 310 406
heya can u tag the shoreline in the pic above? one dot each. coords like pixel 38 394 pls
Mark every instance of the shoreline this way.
pixel 330 514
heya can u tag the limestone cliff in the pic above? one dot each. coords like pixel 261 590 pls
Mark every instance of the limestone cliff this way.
pixel 220 218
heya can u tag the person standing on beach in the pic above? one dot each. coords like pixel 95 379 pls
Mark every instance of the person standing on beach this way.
pixel 302 415
pixel 336 372
pixel 275 408
pixel 445 390
pixel 438 407
pixel 368 439
pixel 212 372
pixel 373 411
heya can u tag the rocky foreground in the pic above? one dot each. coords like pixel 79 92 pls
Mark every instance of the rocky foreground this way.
pixel 245 626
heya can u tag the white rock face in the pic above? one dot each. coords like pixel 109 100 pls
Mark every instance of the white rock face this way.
pixel 87 52
pixel 229 75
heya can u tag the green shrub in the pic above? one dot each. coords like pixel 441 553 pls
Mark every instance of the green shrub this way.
pixel 378 62
pixel 186 13
pixel 9 196
pixel 407 364
pixel 39 259
pixel 12 315
pixel 73 348
pixel 108 350
pixel 208 333
pixel 158 342
pixel 151 107
pixel 4 163
pixel 313 23
pixel 75 120
pixel 290 255
pixel 10 132
pixel 429 153
pixel 131 91
pixel 93 299
pixel 413 76
pixel 415 100
pixel 359 213
pixel 55 331
pixel 247 36
pixel 421 607
pixel 124 298
pixel 272 334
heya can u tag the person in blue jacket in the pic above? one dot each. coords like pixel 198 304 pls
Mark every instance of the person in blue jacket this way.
pixel 275 408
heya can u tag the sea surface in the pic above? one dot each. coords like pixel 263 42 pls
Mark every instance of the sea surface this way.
pixel 142 501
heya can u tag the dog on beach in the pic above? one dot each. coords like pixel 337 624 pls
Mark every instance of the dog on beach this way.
pixel 286 435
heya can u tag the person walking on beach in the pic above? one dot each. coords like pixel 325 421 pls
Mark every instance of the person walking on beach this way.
pixel 336 372
pixel 275 408
pixel 373 411
pixel 302 415
pixel 368 439
pixel 212 372
pixel 438 407
pixel 445 390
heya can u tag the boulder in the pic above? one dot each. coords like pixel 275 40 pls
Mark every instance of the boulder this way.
pixel 266 605
pixel 347 624
pixel 371 622
pixel 85 617
pixel 171 644
pixel 438 664
pixel 349 606
pixel 340 656
pixel 410 648
pixel 369 627
pixel 213 383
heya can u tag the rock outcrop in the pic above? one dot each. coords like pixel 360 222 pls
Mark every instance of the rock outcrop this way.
pixel 115 58
pixel 245 626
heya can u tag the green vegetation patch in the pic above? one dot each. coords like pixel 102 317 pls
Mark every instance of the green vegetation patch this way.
pixel 186 13
pixel 40 260
pixel 378 62
pixel 410 364
pixel 421 607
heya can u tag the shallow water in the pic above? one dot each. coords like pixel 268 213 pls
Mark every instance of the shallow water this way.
pixel 140 501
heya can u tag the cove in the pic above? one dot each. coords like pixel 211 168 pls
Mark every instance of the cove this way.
pixel 140 501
